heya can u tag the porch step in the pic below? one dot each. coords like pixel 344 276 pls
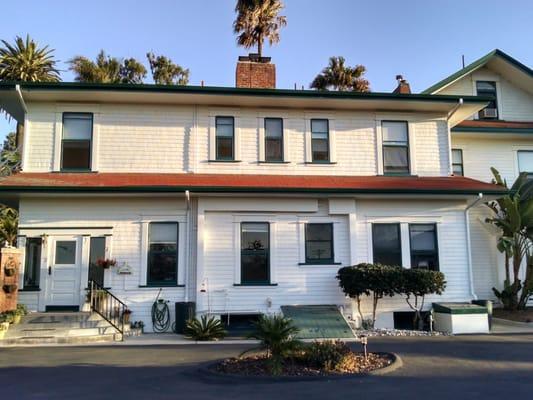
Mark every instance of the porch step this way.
pixel 60 328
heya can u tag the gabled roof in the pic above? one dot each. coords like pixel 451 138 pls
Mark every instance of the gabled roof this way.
pixel 496 58
pixel 57 182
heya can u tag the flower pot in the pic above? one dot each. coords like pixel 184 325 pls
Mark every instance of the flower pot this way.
pixel 126 318
pixel 10 271
pixel 16 319
pixel 2 333
pixel 10 288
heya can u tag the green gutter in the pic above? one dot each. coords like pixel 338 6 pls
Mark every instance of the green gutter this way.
pixel 493 130
pixel 231 91
pixel 209 189
pixel 477 64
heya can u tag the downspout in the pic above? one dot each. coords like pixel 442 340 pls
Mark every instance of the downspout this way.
pixel 450 114
pixel 22 102
pixel 469 245
pixel 188 244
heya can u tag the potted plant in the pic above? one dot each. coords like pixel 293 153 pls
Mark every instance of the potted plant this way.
pixel 14 316
pixel 106 263
pixel 10 288
pixel 22 309
pixel 9 270
pixel 4 326
pixel 126 316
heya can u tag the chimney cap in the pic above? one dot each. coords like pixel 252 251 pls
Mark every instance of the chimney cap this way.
pixel 254 57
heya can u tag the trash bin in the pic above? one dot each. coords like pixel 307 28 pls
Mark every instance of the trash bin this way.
pixel 488 305
pixel 184 312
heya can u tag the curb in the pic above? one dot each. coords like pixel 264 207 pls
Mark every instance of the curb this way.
pixel 206 373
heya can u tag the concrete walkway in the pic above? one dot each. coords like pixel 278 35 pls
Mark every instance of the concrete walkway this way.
pixel 461 367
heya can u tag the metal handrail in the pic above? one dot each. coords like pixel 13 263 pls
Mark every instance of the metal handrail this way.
pixel 107 305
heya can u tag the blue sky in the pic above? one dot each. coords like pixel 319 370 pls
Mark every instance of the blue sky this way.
pixel 421 39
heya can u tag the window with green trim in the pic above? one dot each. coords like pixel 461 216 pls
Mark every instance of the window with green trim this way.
pixel 162 254
pixel 273 139
pixel 319 243
pixel 320 140
pixel 76 141
pixel 386 244
pixel 225 138
pixel 457 162
pixel 395 147
pixel 32 263
pixel 255 253
pixel 488 89
pixel 424 247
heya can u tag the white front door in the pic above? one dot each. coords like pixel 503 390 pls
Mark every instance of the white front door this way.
pixel 64 271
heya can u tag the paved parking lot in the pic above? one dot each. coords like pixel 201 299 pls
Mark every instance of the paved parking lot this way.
pixel 466 367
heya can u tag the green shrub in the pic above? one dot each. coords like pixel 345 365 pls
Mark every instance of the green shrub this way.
pixel 22 309
pixel 276 336
pixel 326 355
pixel 205 329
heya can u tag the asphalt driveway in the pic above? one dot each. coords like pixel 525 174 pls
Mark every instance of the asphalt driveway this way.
pixel 466 367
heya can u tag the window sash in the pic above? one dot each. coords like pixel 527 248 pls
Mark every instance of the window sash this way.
pixel 273 140
pixel 320 147
pixel 523 162
pixel 395 148
pixel 78 148
pixel 309 241
pixel 96 251
pixel 488 89
pixel 225 138
pixel 32 263
pixel 431 256
pixel 255 262
pixel 457 162
pixel 170 251
pixel 383 254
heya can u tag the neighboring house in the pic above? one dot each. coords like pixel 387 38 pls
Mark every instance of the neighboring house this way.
pixel 238 199
pixel 499 136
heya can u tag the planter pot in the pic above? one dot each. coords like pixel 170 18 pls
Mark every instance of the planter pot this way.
pixel 2 334
pixel 16 319
pixel 10 271
pixel 126 318
pixel 10 288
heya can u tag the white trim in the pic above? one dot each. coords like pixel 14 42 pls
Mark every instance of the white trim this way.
pixel 352 232
pixel 212 129
pixel 405 243
pixel 21 244
pixel 143 254
pixel 58 131
pixel 36 231
pixel 25 142
pixel 411 142
pixel 379 148
pixel 95 142
pixel 261 139
pixel 85 259
pixel 307 141
pixel 236 138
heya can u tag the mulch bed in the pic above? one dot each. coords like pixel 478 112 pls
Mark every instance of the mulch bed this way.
pixel 519 316
pixel 257 366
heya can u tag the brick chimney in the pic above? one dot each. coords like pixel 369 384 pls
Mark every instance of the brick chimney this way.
pixel 255 72
pixel 403 86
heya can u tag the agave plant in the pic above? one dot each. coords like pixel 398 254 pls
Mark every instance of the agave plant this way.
pixel 276 336
pixel 205 329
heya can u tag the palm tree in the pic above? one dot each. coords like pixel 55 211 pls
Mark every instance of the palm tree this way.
pixel 8 226
pixel 165 72
pixel 338 76
pixel 25 61
pixel 9 156
pixel 107 69
pixel 257 21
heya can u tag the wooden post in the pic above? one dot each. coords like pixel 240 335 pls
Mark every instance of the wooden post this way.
pixel 10 264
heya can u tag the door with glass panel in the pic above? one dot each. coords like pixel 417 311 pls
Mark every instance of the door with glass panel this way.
pixel 255 253
pixel 64 271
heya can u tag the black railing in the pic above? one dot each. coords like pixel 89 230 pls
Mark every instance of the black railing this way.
pixel 108 306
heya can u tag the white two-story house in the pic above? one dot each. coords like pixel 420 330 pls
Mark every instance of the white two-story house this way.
pixel 499 136
pixel 240 200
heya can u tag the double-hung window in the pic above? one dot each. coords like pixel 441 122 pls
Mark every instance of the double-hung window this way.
pixel 225 138
pixel 255 253
pixel 162 254
pixel 525 162
pixel 319 243
pixel 395 147
pixel 457 162
pixel 424 248
pixel 32 263
pixel 320 140
pixel 387 244
pixel 273 139
pixel 76 142
pixel 488 89
pixel 96 252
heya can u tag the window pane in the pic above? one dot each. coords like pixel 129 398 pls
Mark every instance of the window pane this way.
pixel 458 170
pixel 319 242
pixel 423 237
pixel 486 87
pixel 457 156
pixel 224 148
pixel 525 161
pixel 320 150
pixel 318 250
pixel 273 127
pixel 273 150
pixel 319 126
pixel 66 252
pixel 97 250
pixel 77 126
pixel 33 262
pixel 319 232
pixel 224 127
pixel 395 159
pixel 76 154
pixel 386 244
pixel 395 132
pixel 164 232
pixel 255 251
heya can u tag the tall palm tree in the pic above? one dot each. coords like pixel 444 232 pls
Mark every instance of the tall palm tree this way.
pixel 257 21
pixel 166 72
pixel 25 61
pixel 107 69
pixel 339 76
pixel 9 155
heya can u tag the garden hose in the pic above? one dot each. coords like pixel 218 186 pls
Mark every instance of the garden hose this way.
pixel 160 315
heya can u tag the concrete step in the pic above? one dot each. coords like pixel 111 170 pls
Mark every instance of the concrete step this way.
pixel 60 340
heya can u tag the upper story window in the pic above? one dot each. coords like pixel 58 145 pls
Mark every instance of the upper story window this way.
pixel 163 254
pixel 273 139
pixel 424 250
pixel 395 147
pixel 525 162
pixel 386 244
pixel 319 243
pixel 76 142
pixel 488 89
pixel 457 162
pixel 320 140
pixel 225 138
